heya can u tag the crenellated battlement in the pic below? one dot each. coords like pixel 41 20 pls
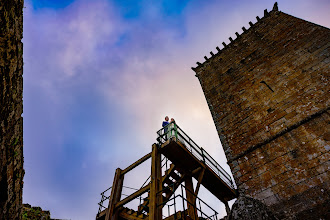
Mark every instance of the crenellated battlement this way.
pixel 225 46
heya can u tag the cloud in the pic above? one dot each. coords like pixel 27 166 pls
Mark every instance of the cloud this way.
pixel 97 86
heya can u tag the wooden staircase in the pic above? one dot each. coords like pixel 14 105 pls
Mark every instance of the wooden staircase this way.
pixel 170 182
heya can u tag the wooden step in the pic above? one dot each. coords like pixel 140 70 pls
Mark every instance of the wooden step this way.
pixel 170 169
pixel 167 190
pixel 129 211
pixel 132 215
pixel 168 181
pixel 175 176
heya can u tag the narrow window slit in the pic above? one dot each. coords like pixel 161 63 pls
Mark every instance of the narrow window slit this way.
pixel 267 85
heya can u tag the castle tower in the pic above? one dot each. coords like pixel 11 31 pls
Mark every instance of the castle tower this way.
pixel 268 94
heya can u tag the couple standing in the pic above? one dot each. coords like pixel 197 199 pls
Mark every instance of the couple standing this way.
pixel 165 123
pixel 166 126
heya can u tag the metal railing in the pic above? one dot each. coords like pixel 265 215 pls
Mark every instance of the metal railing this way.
pixel 103 199
pixel 199 206
pixel 105 195
pixel 173 201
pixel 173 130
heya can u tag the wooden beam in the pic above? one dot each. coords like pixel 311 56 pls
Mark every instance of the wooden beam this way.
pixel 132 196
pixel 197 170
pixel 115 195
pixel 199 181
pixel 191 198
pixel 155 211
pixel 102 214
pixel 137 163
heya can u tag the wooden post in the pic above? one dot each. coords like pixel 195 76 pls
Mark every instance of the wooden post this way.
pixel 116 190
pixel 199 181
pixel 191 198
pixel 155 210
pixel 203 156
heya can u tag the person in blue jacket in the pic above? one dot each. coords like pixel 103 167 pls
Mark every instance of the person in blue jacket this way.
pixel 165 123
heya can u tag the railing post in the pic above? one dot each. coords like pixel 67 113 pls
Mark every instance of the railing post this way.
pixel 203 155
pixel 175 131
pixel 184 211
pixel 100 204
pixel 174 204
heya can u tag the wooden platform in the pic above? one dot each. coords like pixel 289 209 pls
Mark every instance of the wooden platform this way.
pixel 176 152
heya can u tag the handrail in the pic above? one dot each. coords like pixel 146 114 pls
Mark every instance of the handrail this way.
pixel 184 199
pixel 104 198
pixel 211 160
pixel 106 190
pixel 214 216
pixel 207 217
pixel 196 197
pixel 173 130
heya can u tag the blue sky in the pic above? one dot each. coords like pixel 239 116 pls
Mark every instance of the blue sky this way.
pixel 99 76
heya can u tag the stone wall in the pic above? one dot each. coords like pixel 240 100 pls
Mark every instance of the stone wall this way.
pixel 268 94
pixel 11 108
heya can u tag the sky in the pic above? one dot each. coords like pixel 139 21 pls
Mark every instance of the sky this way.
pixel 99 78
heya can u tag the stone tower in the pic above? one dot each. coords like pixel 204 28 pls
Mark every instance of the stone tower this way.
pixel 268 94
pixel 11 108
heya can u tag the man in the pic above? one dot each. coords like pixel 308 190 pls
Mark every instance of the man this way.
pixel 165 122
pixel 164 125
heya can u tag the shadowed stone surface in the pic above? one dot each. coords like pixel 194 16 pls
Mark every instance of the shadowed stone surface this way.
pixel 11 109
pixel 247 208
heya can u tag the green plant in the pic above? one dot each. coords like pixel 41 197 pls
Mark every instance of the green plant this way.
pixel 24 215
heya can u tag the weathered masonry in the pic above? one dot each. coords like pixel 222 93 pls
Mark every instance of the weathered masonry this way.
pixel 268 94
pixel 175 159
pixel 11 108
